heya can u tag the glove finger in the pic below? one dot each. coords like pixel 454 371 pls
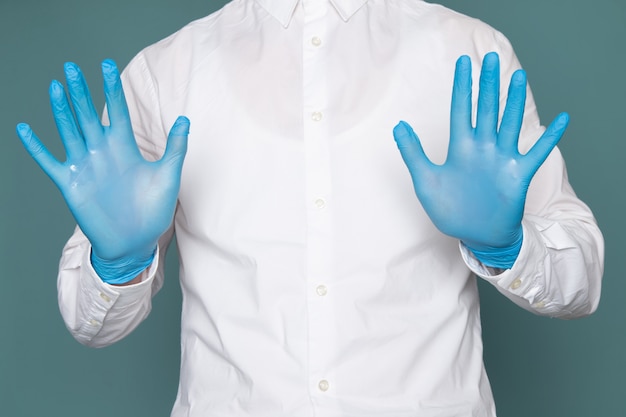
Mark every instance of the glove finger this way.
pixel 461 108
pixel 511 125
pixel 86 115
pixel 39 152
pixel 176 147
pixel 540 150
pixel 117 109
pixel 488 98
pixel 65 122
pixel 411 149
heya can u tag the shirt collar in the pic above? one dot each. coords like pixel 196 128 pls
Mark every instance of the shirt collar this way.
pixel 283 9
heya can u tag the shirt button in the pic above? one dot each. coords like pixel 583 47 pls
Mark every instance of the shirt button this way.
pixel 315 41
pixel 316 116
pixel 516 284
pixel 539 304
pixel 320 203
pixel 94 322
pixel 323 385
pixel 105 297
pixel 321 290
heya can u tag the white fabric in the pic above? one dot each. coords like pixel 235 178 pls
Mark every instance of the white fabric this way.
pixel 313 282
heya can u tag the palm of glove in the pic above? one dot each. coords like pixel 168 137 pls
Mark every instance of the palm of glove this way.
pixel 121 202
pixel 478 194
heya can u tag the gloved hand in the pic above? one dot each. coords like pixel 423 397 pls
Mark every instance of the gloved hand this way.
pixel 478 194
pixel 121 202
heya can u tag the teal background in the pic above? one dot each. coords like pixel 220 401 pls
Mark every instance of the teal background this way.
pixel 575 56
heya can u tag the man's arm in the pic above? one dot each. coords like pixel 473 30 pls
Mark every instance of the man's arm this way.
pixel 546 257
pixel 123 204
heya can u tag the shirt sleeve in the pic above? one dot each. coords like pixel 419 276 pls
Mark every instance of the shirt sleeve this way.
pixel 559 269
pixel 98 314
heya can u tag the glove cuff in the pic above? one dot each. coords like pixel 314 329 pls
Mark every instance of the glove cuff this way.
pixel 120 271
pixel 502 258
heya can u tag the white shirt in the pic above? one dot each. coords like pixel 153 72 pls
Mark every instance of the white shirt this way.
pixel 313 282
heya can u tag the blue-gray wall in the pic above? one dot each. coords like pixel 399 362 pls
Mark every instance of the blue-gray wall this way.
pixel 576 60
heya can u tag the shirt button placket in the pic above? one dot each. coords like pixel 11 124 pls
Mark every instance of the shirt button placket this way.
pixel 318 195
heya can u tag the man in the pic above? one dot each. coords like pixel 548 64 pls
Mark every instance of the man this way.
pixel 314 282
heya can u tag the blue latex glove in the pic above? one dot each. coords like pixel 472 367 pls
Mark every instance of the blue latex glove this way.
pixel 478 194
pixel 121 202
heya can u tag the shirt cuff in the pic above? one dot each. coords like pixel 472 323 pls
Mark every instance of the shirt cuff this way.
pixel 524 279
pixel 98 297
